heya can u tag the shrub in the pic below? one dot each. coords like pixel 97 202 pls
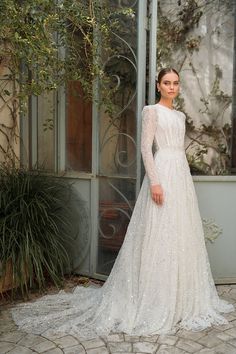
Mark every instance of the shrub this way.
pixel 32 217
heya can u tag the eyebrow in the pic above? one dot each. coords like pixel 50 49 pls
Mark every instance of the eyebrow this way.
pixel 170 81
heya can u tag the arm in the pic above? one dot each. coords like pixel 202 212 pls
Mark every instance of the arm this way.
pixel 149 125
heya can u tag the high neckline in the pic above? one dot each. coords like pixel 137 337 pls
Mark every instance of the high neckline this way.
pixel 170 109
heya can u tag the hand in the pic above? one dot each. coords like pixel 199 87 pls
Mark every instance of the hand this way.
pixel 157 194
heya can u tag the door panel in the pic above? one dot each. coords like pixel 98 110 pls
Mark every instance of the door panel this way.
pixel 117 170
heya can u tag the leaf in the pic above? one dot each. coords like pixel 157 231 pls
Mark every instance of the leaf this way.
pixel 33 217
pixel 6 92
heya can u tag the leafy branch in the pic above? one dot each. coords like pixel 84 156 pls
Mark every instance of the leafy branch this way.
pixel 177 44
pixel 45 44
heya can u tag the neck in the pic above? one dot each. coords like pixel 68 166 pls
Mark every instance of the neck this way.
pixel 166 102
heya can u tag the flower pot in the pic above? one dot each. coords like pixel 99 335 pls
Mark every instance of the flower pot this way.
pixel 6 278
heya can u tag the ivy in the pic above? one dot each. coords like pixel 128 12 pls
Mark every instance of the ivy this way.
pixel 177 43
pixel 44 44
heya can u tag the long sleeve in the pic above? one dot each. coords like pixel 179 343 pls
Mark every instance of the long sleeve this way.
pixel 149 125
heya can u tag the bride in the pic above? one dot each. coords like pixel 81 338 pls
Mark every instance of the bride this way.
pixel 161 280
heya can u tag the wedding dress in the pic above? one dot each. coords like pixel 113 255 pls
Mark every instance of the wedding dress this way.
pixel 161 280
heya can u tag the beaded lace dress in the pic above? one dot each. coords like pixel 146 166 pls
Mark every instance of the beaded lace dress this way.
pixel 161 280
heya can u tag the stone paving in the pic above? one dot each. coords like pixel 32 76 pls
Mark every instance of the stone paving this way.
pixel 215 340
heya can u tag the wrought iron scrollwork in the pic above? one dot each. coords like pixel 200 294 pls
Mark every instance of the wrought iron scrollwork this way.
pixel 117 140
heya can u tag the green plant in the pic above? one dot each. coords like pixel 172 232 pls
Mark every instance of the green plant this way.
pixel 179 44
pixel 43 45
pixel 32 219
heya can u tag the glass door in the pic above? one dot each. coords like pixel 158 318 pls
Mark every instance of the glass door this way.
pixel 119 152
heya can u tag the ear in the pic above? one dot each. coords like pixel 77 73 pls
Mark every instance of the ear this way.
pixel 158 87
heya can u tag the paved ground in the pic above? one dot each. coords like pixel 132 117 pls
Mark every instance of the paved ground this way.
pixel 216 340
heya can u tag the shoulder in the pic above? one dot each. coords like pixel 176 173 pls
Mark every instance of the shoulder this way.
pixel 182 114
pixel 149 115
pixel 149 108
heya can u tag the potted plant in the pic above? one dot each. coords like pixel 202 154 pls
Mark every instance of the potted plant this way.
pixel 33 215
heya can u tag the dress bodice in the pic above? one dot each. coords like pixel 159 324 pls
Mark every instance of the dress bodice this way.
pixel 170 127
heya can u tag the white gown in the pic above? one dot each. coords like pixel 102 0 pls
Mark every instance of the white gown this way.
pixel 161 280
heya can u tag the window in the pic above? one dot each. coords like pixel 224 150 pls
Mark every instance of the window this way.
pixel 78 129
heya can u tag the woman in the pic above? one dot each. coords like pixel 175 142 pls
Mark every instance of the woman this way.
pixel 161 280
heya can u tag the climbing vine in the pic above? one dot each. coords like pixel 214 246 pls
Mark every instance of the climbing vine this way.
pixel 43 45
pixel 179 41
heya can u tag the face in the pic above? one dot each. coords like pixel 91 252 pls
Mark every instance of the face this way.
pixel 169 86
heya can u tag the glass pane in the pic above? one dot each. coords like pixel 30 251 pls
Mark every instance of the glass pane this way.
pixel 118 144
pixel 118 127
pixel 117 198
pixel 78 130
pixel 46 131
pixel 198 40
